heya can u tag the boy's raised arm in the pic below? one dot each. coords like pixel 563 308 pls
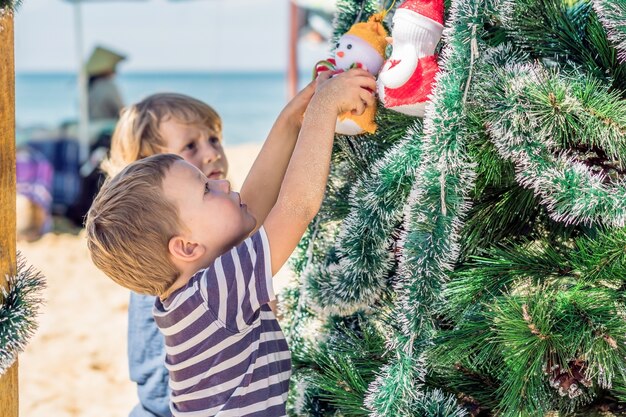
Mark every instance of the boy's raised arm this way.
pixel 304 184
pixel 262 185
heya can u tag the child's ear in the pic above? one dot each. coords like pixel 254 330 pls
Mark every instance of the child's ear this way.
pixel 185 250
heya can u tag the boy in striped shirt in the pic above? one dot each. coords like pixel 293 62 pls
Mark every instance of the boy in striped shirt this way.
pixel 161 227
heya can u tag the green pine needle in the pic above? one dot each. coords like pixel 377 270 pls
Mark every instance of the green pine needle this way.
pixel 612 14
pixel 18 311
pixel 9 6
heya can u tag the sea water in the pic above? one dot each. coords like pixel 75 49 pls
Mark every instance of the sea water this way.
pixel 248 102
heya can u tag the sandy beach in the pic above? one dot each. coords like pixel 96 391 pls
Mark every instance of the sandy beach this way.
pixel 76 365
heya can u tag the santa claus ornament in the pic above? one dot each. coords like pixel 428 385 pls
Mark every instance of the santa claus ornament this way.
pixel 408 76
pixel 363 46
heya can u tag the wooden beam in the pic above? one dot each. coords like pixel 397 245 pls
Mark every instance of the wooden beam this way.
pixel 8 382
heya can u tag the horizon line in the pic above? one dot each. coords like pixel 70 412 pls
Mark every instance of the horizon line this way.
pixel 169 71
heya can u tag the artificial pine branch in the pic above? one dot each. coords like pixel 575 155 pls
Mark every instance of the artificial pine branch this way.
pixel 601 260
pixel 358 278
pixel 439 201
pixel 304 395
pixel 522 136
pixel 301 327
pixel 523 330
pixel 19 306
pixel 350 12
pixel 612 14
pixel 432 217
pixel 538 305
pixel 492 171
pixel 437 404
pixel 482 278
pixel 500 215
pixel 348 361
pixel 537 314
pixel 9 6
pixel 568 34
pixel 398 386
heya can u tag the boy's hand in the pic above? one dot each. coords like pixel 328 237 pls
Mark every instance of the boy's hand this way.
pixel 294 110
pixel 350 91
pixel 262 186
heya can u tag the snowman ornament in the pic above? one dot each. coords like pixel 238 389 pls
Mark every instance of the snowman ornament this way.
pixel 363 46
pixel 408 76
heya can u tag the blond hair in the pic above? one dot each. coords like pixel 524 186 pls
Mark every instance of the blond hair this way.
pixel 129 226
pixel 137 133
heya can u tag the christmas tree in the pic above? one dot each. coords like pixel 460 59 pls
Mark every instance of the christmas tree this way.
pixel 472 262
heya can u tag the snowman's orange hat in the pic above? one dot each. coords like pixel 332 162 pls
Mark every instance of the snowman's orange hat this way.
pixel 372 31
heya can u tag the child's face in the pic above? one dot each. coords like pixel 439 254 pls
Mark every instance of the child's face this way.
pixel 198 145
pixel 212 213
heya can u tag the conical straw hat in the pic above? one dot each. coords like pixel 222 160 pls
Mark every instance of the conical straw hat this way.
pixel 102 60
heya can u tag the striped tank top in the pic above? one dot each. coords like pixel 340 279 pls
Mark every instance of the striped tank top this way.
pixel 225 352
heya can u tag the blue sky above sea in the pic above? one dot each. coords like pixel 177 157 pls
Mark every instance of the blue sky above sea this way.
pixel 231 54
pixel 160 35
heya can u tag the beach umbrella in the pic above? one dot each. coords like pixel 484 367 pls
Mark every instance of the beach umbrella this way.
pixel 83 98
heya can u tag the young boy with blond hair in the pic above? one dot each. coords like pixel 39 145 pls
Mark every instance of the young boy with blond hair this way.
pixel 182 125
pixel 161 123
pixel 162 227
pixel 169 123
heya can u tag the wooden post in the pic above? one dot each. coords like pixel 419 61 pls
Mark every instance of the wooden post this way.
pixel 8 382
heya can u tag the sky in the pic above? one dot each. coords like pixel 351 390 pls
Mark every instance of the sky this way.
pixel 160 35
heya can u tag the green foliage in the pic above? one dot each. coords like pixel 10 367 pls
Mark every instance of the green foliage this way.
pixel 493 241
pixel 397 389
pixel 9 6
pixel 438 201
pixel 612 14
pixel 348 361
pixel 18 311
pixel 437 404
pixel 350 12
pixel 619 389
pixel 601 259
pixel 491 220
pixel 532 116
pixel 299 325
pixel 559 33
pixel 304 395
pixel 357 279
pixel 541 320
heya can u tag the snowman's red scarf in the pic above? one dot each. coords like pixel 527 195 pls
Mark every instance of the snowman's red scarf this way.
pixel 330 64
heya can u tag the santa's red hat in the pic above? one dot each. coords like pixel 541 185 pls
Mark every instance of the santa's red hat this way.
pixel 432 9
pixel 419 23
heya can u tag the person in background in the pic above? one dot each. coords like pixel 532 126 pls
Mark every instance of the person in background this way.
pixel 105 104
pixel 105 100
